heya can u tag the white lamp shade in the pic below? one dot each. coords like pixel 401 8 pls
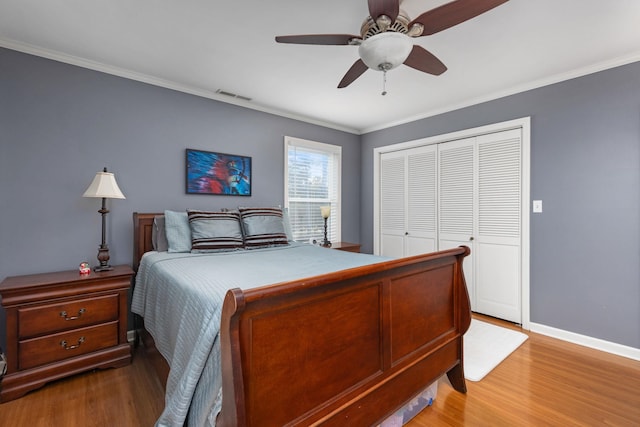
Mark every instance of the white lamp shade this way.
pixel 325 211
pixel 385 51
pixel 104 185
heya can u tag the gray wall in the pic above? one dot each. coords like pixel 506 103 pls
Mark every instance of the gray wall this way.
pixel 585 166
pixel 61 124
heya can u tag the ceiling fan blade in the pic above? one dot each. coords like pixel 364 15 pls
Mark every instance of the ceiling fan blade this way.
pixel 423 60
pixel 454 13
pixel 356 70
pixel 390 8
pixel 323 39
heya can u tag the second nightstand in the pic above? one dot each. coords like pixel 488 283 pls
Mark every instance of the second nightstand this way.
pixel 346 246
pixel 63 323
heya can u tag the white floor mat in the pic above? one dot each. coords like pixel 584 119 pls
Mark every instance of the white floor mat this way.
pixel 485 346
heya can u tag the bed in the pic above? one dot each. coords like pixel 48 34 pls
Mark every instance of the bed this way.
pixel 347 347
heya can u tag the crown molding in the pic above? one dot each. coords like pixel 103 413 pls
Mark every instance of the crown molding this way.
pixel 192 90
pixel 167 84
pixel 601 66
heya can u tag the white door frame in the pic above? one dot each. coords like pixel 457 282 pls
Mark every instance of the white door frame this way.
pixel 523 123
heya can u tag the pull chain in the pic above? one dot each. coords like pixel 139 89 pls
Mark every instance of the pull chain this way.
pixel 384 82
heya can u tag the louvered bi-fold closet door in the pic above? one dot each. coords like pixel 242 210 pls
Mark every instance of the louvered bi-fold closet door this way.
pixel 456 202
pixel 498 236
pixel 408 202
pixel 392 204
pixel 479 201
pixel 421 237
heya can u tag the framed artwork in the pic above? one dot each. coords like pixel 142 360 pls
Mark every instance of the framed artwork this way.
pixel 218 173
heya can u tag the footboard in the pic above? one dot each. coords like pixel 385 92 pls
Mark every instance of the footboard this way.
pixel 346 348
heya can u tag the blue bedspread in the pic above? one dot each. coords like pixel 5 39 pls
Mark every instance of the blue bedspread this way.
pixel 180 297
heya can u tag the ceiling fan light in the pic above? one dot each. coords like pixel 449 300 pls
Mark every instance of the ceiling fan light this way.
pixel 416 30
pixel 383 22
pixel 385 51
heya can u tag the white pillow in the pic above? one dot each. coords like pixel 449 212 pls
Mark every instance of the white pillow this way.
pixel 176 225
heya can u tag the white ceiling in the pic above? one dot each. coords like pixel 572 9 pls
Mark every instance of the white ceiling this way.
pixel 200 46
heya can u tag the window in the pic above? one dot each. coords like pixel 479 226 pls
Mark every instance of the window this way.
pixel 311 180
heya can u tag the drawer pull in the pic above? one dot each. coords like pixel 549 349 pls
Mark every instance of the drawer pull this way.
pixel 63 343
pixel 80 312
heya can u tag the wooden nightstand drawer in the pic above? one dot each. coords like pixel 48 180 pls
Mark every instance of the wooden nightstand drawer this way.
pixel 44 319
pixel 52 348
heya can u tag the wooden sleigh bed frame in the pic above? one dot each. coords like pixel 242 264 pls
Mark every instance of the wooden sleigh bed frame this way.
pixel 345 348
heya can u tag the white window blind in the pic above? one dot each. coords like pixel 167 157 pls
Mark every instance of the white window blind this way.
pixel 312 180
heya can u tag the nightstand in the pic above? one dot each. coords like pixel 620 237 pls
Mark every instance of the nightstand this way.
pixel 346 246
pixel 60 324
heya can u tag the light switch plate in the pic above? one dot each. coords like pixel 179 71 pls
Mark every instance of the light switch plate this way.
pixel 537 206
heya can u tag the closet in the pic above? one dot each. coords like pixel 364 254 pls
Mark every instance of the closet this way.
pixel 464 191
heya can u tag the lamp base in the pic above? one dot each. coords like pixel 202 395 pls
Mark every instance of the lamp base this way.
pixel 103 258
pixel 326 243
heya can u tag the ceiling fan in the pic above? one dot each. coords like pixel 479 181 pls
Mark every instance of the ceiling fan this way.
pixel 385 36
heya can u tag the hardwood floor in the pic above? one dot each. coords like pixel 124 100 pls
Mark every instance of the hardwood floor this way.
pixel 546 382
pixel 127 396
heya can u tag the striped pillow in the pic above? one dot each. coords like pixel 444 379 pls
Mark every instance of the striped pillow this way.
pixel 263 227
pixel 214 231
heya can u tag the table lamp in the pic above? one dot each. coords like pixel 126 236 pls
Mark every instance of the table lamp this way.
pixel 325 211
pixel 104 186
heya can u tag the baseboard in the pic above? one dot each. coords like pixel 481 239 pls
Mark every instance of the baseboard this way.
pixel 595 343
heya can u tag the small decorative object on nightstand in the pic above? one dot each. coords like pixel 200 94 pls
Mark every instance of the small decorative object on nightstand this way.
pixel 325 211
pixel 61 324
pixel 104 186
pixel 84 268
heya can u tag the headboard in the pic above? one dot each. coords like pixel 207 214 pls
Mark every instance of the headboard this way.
pixel 142 232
